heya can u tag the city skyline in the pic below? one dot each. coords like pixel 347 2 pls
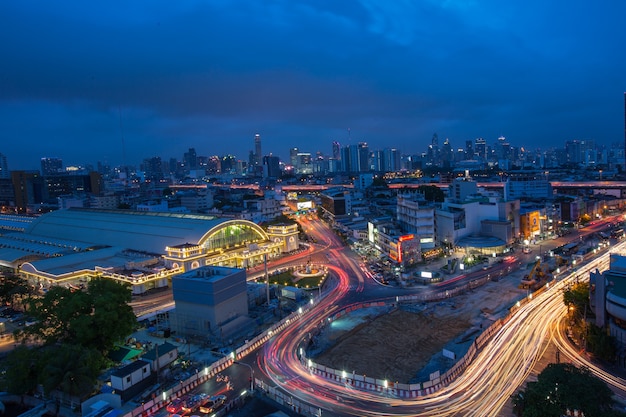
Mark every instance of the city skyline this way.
pixel 117 83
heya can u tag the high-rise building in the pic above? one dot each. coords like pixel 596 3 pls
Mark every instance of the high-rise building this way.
pixel 469 149
pixel 624 131
pixel 390 160
pixel 336 151
pixel 303 163
pixel 258 156
pixel 480 148
pixel 191 160
pixel 293 157
pixel 50 166
pixel 4 167
pixel 271 166
pixel 364 157
pixel 152 168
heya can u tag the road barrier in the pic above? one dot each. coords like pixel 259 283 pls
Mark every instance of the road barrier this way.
pixel 400 390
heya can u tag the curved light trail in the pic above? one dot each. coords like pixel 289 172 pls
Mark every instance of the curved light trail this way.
pixel 495 373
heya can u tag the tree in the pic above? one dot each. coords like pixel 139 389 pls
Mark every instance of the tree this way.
pixel 563 386
pixel 71 369
pixel 576 299
pixel 113 318
pixel 97 318
pixel 600 343
pixel 13 287
pixel 22 367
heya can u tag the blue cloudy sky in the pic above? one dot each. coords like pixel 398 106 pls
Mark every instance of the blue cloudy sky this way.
pixel 79 78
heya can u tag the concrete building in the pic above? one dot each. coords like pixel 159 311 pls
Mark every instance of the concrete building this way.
pixel 286 235
pixel 461 224
pixel 210 300
pixel 336 202
pixel 401 248
pixel 196 201
pixel 608 298
pixel 528 186
pixel 461 188
pixel 4 167
pixel 106 202
pixel 263 209
pixel 416 216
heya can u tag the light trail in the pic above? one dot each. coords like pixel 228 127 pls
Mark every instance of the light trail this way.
pixel 496 372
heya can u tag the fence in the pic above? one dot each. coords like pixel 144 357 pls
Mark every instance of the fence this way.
pixel 358 381
pixel 157 402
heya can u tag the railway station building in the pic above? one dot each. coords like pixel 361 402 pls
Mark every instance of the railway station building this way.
pixel 143 249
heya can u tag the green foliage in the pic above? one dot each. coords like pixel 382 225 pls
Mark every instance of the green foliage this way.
pixel 22 367
pixel 576 299
pixel 563 386
pixel 600 343
pixel 93 319
pixel 71 369
pixel 12 288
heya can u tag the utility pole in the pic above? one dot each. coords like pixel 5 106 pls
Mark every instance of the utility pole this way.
pixel 251 374
pixel 267 280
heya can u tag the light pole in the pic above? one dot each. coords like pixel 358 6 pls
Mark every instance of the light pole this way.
pixel 251 374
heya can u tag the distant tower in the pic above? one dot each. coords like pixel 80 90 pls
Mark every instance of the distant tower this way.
pixel 51 166
pixel 257 150
pixel 191 159
pixel 293 157
pixel 336 150
pixel 4 167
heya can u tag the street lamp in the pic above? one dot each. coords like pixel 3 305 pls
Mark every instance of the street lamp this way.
pixel 251 374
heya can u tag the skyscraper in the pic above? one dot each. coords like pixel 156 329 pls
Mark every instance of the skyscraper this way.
pixel 4 167
pixel 336 150
pixel 293 157
pixel 50 166
pixel 624 131
pixel 191 160
pixel 258 156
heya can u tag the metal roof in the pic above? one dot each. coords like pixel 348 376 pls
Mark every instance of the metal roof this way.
pixel 144 231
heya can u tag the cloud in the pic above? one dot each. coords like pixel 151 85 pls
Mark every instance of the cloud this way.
pixel 303 72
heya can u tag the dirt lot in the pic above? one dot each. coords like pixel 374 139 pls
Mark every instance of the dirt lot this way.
pixel 406 344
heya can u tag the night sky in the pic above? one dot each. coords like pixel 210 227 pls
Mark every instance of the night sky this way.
pixel 78 79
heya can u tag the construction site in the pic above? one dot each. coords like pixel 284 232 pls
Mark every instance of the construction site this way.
pixel 406 344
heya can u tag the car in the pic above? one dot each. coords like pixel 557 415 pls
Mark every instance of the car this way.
pixel 218 400
pixel 213 404
pixel 176 405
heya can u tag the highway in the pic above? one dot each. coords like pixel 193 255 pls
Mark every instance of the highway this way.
pixel 497 371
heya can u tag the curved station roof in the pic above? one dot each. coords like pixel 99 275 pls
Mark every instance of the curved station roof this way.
pixel 144 231
pixel 61 244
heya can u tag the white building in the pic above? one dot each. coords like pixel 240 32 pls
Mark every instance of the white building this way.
pixel 417 216
pixel 197 201
pixel 527 186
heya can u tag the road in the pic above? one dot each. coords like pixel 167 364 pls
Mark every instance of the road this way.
pixel 482 390
pixel 497 371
